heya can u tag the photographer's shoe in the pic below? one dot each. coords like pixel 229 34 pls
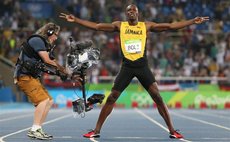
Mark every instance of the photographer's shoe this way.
pixel 46 135
pixel 91 134
pixel 38 134
pixel 176 135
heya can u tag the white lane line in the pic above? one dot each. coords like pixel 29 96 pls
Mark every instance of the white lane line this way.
pixel 206 114
pixel 150 119
pixel 69 137
pixel 22 130
pixel 226 113
pixel 155 122
pixel 139 138
pixel 155 138
pixel 216 139
pixel 93 140
pixel 201 121
pixel 65 137
pixel 15 117
pixel 26 115
pixel 4 112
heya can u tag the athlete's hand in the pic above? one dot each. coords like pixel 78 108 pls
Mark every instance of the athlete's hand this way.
pixel 68 17
pixel 200 20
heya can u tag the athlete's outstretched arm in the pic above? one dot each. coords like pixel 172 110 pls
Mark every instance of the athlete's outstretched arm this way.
pixel 174 26
pixel 110 27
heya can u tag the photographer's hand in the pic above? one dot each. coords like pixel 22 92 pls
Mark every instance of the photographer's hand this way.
pixel 78 80
pixel 62 75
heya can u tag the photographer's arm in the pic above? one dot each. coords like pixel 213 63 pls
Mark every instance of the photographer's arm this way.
pixel 46 59
pixel 63 73
pixel 52 67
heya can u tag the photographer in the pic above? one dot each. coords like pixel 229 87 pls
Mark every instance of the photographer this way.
pixel 35 56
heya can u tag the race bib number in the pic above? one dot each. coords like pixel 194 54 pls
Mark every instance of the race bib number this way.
pixel 133 46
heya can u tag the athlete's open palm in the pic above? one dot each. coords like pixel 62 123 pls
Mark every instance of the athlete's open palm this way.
pixel 68 17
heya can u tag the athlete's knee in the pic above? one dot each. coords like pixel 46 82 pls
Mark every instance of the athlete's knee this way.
pixel 113 97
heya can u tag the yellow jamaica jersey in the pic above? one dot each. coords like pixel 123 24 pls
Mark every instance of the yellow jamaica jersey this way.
pixel 133 40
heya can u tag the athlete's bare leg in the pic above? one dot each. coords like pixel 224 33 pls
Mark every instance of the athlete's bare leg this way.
pixel 106 109
pixel 155 95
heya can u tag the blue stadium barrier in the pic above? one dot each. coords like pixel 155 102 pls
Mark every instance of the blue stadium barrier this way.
pixel 6 94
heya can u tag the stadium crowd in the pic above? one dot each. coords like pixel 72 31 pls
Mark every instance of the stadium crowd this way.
pixel 199 50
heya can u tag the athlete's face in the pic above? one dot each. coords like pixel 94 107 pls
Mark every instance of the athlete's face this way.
pixel 132 12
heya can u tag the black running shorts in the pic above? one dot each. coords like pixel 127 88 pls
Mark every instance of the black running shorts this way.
pixel 126 74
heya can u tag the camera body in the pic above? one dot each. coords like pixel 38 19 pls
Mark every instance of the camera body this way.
pixel 81 56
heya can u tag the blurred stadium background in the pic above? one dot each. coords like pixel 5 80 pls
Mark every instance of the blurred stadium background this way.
pixel 192 65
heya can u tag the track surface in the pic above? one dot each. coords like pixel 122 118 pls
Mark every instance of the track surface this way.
pixel 123 125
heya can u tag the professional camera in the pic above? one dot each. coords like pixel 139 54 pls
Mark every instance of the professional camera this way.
pixel 82 55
